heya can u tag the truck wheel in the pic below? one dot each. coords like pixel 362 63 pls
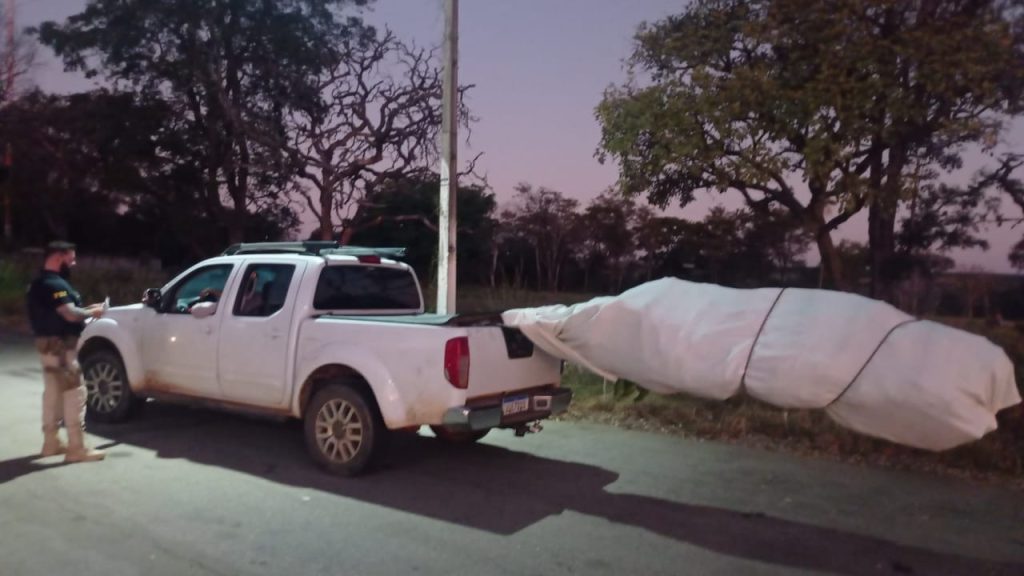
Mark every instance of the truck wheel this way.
pixel 458 437
pixel 109 396
pixel 342 430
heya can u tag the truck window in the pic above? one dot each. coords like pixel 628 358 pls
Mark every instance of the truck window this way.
pixel 366 288
pixel 204 285
pixel 264 289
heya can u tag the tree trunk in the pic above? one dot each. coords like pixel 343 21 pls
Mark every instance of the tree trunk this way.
pixel 494 264
pixel 986 300
pixel 236 227
pixel 915 288
pixel 326 221
pixel 969 285
pixel 881 246
pixel 882 225
pixel 537 259
pixel 831 265
pixel 238 215
pixel 325 232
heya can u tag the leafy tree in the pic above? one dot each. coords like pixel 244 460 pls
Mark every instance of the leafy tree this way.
pixel 818 108
pixel 225 67
pixel 1013 186
pixel 78 156
pixel 783 243
pixel 660 251
pixel 950 75
pixel 608 238
pixel 918 291
pixel 856 260
pixel 938 218
pixel 717 247
pixel 513 255
pixel 736 248
pixel 547 221
pixel 95 167
pixel 404 213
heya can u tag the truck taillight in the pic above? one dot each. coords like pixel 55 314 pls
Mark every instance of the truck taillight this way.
pixel 456 362
pixel 367 259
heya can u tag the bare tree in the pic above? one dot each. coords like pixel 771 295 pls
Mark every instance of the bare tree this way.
pixel 17 55
pixel 374 117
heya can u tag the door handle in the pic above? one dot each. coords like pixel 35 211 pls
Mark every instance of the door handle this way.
pixel 207 329
pixel 276 334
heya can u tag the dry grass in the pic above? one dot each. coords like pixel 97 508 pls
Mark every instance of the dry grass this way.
pixel 472 299
pixel 999 457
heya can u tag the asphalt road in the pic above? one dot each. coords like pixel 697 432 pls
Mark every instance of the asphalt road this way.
pixel 193 492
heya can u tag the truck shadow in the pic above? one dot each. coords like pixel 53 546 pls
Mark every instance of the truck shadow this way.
pixel 502 491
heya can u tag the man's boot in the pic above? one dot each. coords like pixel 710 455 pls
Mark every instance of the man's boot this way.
pixel 74 421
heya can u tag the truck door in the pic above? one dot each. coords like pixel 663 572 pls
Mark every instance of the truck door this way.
pixel 178 349
pixel 255 350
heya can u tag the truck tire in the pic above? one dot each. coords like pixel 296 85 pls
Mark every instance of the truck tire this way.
pixel 458 437
pixel 343 430
pixel 109 397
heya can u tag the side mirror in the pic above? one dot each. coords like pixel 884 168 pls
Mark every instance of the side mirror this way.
pixel 152 297
pixel 203 309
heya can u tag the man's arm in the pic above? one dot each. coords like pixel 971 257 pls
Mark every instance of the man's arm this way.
pixel 73 313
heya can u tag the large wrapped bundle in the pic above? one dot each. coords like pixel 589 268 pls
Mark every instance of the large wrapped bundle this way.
pixel 873 368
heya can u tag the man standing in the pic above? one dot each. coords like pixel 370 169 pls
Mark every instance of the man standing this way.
pixel 57 319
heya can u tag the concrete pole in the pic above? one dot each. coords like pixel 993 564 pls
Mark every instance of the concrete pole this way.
pixel 447 224
pixel 10 58
pixel 7 97
pixel 8 191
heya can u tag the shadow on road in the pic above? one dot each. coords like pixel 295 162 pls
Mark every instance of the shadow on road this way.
pixel 503 491
pixel 17 467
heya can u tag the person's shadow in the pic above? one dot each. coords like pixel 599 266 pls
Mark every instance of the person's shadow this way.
pixel 502 491
pixel 17 467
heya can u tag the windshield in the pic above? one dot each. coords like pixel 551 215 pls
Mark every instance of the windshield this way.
pixel 366 288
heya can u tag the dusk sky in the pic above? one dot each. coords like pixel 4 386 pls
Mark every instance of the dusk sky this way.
pixel 540 67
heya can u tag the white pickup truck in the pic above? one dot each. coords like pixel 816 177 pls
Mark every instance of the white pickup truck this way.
pixel 336 336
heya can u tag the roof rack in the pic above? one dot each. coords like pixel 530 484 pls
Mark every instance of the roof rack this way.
pixel 312 248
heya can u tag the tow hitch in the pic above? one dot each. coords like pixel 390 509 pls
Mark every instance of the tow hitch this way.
pixel 528 428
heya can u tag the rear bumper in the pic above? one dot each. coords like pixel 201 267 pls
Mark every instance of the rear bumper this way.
pixel 543 403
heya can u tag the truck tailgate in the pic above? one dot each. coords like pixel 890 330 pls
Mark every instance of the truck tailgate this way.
pixel 503 360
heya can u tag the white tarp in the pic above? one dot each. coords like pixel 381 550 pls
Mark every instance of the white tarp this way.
pixel 873 368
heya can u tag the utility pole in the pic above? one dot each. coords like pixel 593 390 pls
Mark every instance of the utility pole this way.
pixel 7 97
pixel 10 58
pixel 8 188
pixel 447 224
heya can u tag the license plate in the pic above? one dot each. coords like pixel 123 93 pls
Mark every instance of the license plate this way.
pixel 515 405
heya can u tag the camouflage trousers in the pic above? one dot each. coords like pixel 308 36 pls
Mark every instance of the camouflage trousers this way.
pixel 63 391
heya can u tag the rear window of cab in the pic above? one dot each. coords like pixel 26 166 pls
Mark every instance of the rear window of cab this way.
pixel 366 288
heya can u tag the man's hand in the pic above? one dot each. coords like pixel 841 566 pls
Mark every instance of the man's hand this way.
pixel 72 313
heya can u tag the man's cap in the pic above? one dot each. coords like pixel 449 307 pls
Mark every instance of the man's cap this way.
pixel 59 246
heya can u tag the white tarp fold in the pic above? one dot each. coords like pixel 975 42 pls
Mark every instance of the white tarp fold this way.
pixel 873 368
